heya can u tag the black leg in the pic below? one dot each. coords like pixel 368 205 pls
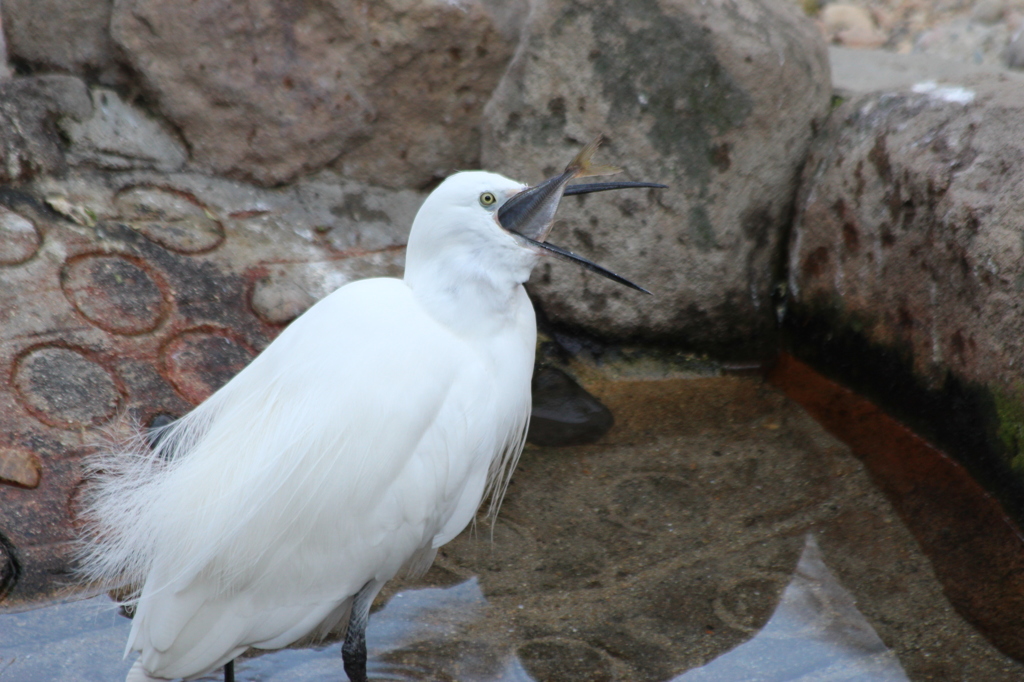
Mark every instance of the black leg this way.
pixel 353 651
pixel 229 671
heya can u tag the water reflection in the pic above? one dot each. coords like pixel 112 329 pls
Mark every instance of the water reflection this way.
pixel 83 640
pixel 72 641
pixel 815 633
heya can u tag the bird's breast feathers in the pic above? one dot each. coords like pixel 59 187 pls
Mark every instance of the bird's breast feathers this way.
pixel 363 434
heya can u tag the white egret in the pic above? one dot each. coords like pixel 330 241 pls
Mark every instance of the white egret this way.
pixel 361 440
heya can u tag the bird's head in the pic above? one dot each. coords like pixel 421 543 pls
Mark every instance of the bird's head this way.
pixel 487 221
pixel 456 234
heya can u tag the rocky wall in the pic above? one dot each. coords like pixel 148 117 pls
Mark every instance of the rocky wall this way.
pixel 718 100
pixel 906 265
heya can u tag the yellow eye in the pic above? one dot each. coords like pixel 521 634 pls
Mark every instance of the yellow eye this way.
pixel 487 199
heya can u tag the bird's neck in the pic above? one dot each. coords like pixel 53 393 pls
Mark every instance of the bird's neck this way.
pixel 469 295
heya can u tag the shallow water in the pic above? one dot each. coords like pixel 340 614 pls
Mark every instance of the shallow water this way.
pixel 716 533
pixel 815 633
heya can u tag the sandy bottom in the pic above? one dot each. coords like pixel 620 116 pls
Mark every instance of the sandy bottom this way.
pixel 716 525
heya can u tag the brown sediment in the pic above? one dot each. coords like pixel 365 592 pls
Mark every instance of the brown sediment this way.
pixel 975 549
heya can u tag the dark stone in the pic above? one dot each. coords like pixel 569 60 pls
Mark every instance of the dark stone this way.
pixel 155 429
pixel 563 412
pixel 10 569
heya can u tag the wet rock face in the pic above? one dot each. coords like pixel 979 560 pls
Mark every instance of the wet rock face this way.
pixel 391 92
pixel 689 95
pixel 908 243
pixel 137 295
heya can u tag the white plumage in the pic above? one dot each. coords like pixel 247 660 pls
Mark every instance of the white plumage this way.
pixel 362 439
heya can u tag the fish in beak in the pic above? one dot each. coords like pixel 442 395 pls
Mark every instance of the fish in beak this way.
pixel 529 215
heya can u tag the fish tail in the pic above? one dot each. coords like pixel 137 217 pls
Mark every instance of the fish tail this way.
pixel 581 167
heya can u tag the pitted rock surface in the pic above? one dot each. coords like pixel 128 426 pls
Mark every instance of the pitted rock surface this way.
pixel 117 293
pixel 199 361
pixel 64 387
pixel 906 267
pixel 139 294
pixel 718 101
pixel 911 216
pixel 389 92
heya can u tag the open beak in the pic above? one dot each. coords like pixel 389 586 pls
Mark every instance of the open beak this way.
pixel 529 215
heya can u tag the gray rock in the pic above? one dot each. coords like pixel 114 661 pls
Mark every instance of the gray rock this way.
pixel 509 16
pixel 862 71
pixel 563 412
pixel 719 102
pixel 65 35
pixel 1014 54
pixel 29 108
pixel 390 92
pixel 354 217
pixel 278 299
pixel 5 68
pixel 988 11
pixel 288 289
pixel 119 136
pixel 962 39
pixel 19 238
pixel 906 266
